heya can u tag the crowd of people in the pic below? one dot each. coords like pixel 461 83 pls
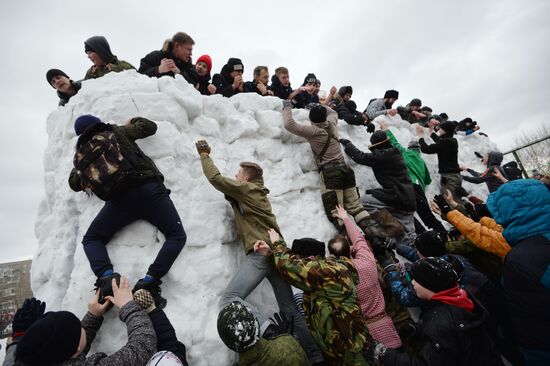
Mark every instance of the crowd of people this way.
pixel 477 272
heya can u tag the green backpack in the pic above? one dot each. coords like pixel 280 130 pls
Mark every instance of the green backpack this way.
pixel 101 165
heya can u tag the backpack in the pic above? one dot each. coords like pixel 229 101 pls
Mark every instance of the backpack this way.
pixel 100 164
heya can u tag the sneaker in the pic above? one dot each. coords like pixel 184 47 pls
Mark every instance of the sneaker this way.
pixel 105 286
pixel 153 287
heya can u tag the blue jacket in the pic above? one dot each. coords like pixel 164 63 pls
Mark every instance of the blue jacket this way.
pixel 522 207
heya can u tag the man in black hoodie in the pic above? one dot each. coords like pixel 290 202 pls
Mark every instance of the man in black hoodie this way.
pixel 66 88
pixel 230 80
pixel 492 160
pixel 280 83
pixel 446 148
pixel 174 58
pixel 453 322
pixel 397 196
pixel 99 52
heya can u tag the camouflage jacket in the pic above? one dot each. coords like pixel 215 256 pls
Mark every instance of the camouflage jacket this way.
pixel 407 115
pixel 330 303
pixel 283 350
pixel 95 72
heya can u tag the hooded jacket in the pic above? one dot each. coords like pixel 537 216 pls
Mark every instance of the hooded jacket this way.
pixel 452 337
pixel 278 89
pixel 304 98
pixel 351 116
pixel 224 82
pixel 203 82
pixel 100 46
pixel 493 163
pixel 446 148
pixel 522 207
pixel 253 214
pixel 149 65
pixel 64 98
pixel 390 171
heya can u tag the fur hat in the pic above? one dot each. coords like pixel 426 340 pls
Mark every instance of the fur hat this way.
pixel 307 247
pixel 391 94
pixel 345 90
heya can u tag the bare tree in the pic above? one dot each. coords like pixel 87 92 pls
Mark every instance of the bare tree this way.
pixel 536 156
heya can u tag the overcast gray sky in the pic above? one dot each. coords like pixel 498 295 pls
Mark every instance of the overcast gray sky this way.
pixel 484 59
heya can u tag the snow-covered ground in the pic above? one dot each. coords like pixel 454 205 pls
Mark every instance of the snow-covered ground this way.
pixel 245 127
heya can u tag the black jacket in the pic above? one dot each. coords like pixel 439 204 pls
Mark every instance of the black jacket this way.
pixel 493 163
pixel 224 83
pixel 526 282
pixel 278 89
pixel 203 82
pixel 352 117
pixel 149 65
pixel 64 98
pixel 304 98
pixel 250 87
pixel 390 171
pixel 446 148
pixel 452 336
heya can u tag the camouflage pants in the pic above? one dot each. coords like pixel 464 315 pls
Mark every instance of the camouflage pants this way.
pixel 339 192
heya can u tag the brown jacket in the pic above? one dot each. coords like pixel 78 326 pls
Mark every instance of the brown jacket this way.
pixel 316 134
pixel 253 214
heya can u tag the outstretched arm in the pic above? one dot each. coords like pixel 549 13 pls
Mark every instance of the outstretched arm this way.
pixel 139 128
pixel 228 186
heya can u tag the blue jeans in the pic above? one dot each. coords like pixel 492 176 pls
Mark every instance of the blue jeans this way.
pixel 149 201
pixel 250 273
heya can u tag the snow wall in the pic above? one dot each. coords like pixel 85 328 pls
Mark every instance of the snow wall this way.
pixel 245 127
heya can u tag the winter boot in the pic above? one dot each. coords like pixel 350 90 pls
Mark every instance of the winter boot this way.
pixel 144 300
pixel 105 286
pixel 153 287
pixel 391 225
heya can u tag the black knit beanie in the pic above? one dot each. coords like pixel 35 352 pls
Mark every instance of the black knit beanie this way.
pixel 307 247
pixel 431 243
pixel 435 274
pixel 318 114
pixel 52 73
pixel 235 64
pixel 449 127
pixel 415 103
pixel 310 78
pixel 51 340
pixel 391 94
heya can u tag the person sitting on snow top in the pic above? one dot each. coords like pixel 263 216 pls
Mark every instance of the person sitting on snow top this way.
pixel 99 52
pixel 412 113
pixel 280 83
pixel 66 88
pixel 203 66
pixel 259 84
pixel 382 106
pixel 174 58
pixel 305 95
pixel 230 80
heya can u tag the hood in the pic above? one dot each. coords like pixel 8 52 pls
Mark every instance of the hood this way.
pixel 522 207
pixel 275 82
pixel 495 158
pixel 100 46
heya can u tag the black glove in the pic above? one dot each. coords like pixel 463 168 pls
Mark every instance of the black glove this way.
pixel 31 311
pixel 344 142
pixel 370 127
pixel 280 325
pixel 442 204
pixel 202 147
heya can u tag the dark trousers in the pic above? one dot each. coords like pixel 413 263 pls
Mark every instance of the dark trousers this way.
pixel 151 202
pixel 424 211
pixel 166 335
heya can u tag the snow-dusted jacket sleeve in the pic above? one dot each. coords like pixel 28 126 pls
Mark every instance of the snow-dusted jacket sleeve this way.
pixel 227 186
pixel 141 345
pixel 358 156
pixel 360 250
pixel 376 108
pixel 297 128
pixel 483 237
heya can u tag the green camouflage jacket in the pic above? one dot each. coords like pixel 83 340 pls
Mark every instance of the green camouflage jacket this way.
pixel 95 72
pixel 283 350
pixel 330 303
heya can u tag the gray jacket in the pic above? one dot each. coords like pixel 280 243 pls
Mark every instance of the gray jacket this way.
pixel 142 341
pixel 376 108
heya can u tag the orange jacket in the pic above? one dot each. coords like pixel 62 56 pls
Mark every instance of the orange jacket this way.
pixel 485 234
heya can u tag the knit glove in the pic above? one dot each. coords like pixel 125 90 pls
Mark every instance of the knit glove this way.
pixel 145 300
pixel 442 204
pixel 280 325
pixel 31 311
pixel 287 104
pixel 202 147
pixel 370 127
pixel 344 142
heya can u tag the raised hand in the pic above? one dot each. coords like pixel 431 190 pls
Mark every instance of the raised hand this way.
pixel 261 247
pixel 203 147
pixel 121 294
pixel 31 310
pixel 273 235
pixel 340 213
pixel 96 308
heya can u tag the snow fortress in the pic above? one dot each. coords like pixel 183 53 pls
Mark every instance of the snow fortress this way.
pixel 244 127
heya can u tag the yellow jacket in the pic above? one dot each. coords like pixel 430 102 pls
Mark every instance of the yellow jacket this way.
pixel 485 234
